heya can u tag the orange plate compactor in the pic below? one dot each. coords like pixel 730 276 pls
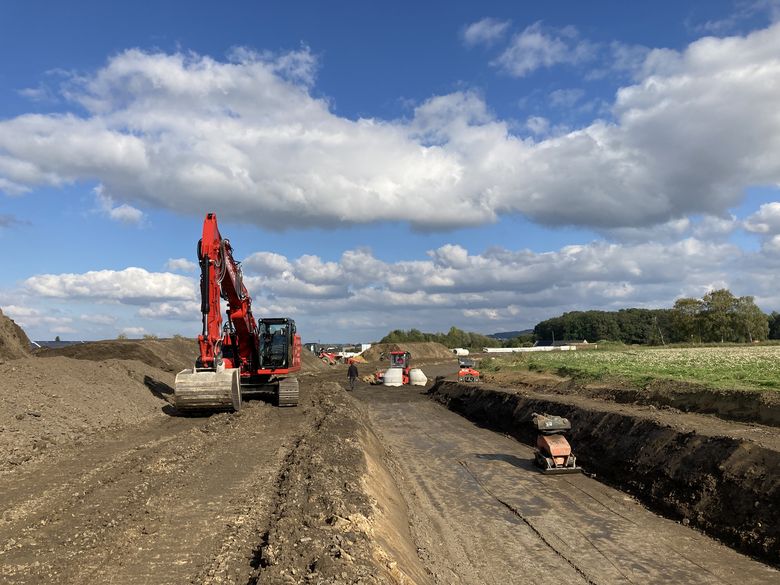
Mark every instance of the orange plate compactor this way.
pixel 553 452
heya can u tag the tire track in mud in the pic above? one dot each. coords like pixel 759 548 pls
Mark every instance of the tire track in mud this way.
pixel 484 512
pixel 181 498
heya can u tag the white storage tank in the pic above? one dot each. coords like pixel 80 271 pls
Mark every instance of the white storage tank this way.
pixel 394 377
pixel 459 351
pixel 417 377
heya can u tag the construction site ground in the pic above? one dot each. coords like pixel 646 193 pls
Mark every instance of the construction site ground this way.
pixel 102 482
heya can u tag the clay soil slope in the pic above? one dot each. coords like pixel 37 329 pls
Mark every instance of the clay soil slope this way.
pixel 13 341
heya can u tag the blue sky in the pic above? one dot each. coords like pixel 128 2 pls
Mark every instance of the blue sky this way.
pixel 385 165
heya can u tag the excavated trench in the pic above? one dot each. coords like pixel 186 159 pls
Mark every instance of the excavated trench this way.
pixel 726 486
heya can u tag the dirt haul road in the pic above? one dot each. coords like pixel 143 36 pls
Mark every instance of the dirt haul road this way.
pixel 174 500
pixel 481 513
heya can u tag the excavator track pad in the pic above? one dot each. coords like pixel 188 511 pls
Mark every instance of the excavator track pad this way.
pixel 288 392
pixel 201 390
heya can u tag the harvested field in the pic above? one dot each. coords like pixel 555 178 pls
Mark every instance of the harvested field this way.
pixel 419 350
pixel 729 367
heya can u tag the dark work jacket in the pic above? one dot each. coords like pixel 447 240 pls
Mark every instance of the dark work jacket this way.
pixel 352 371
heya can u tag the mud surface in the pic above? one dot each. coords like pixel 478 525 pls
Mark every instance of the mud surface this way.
pixel 481 513
pixel 267 495
pixel 721 477
pixel 103 483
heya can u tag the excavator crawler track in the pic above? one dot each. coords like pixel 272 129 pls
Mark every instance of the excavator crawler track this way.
pixel 288 392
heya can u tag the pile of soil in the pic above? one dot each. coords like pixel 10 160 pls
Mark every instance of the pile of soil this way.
pixel 171 355
pixel 419 350
pixel 61 401
pixel 310 363
pixel 13 341
pixel 339 516
pixel 695 469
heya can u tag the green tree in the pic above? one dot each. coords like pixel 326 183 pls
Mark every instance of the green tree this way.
pixel 774 325
pixel 57 338
pixel 750 322
pixel 687 320
pixel 718 315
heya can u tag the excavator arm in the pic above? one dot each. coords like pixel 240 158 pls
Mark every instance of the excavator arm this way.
pixel 221 278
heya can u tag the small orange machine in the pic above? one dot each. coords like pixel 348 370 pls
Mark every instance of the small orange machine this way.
pixel 553 452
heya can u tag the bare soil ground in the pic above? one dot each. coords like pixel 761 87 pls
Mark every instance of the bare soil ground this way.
pixel 720 476
pixel 760 406
pixel 102 482
pixel 419 350
pixel 481 513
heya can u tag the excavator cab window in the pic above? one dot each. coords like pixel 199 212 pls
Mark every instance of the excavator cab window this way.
pixel 275 342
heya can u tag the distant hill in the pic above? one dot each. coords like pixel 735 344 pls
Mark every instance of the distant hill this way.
pixel 511 334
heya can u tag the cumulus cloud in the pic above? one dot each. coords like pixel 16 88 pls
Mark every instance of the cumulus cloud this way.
pixel 176 131
pixel 360 296
pixel 485 32
pixel 766 220
pixel 180 265
pixel 130 286
pixel 29 317
pixel 122 213
pixel 537 47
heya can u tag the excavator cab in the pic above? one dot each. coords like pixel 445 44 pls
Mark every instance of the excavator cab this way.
pixel 275 348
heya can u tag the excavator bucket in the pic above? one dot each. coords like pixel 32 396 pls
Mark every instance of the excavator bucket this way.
pixel 208 389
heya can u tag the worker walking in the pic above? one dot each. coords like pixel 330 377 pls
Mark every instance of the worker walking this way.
pixel 352 374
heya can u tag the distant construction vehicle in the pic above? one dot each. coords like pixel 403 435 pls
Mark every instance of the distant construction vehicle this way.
pixel 400 372
pixel 467 373
pixel 242 357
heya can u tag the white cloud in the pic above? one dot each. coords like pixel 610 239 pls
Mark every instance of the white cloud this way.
pixel 122 213
pixel 176 131
pixel 133 331
pixel 766 220
pixel 29 317
pixel 485 32
pixel 537 47
pixel 130 286
pixel 181 265
pixel 173 310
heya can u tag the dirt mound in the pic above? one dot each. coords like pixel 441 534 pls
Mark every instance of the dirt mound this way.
pixel 171 355
pixel 339 516
pixel 13 341
pixel 60 401
pixel 420 350
pixel 721 483
pixel 310 363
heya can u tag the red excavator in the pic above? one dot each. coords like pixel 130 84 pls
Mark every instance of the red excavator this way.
pixel 241 357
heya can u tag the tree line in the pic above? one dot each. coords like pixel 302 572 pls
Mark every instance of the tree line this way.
pixel 453 338
pixel 719 316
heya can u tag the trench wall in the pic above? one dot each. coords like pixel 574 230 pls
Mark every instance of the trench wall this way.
pixel 726 487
